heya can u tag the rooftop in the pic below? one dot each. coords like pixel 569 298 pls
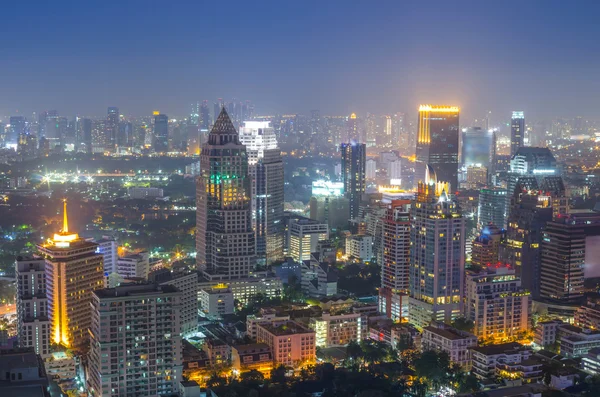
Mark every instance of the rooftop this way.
pixel 503 348
pixel 449 333
pixel 287 328
pixel 126 290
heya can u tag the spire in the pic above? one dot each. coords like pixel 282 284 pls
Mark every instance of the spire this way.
pixel 223 124
pixel 65 221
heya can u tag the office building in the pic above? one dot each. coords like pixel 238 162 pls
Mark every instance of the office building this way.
pixel 74 270
pixel 486 247
pixel 160 142
pixel 437 255
pixel 354 174
pixel 491 207
pixel 499 308
pixel 532 206
pixel 335 330
pixel 438 144
pixel 107 246
pixel 16 128
pixel 568 251
pixel 292 343
pixel 517 132
pixel 224 237
pixel 134 266
pixel 371 169
pixel 318 278
pixel 139 351
pixel 478 148
pixel 395 268
pixel 455 343
pixel 328 204
pixel 303 236
pixel 360 247
pixel 492 360
pixel 265 167
pixel 33 321
pixel 216 301
pixel 112 128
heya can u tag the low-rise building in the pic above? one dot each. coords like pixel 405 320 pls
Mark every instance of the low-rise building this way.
pixel 591 361
pixel 292 344
pixel 489 360
pixel 446 339
pixel 217 350
pixel 579 344
pixel 336 329
pixel 22 373
pixel 270 317
pixel 134 266
pixel 588 315
pixel 546 332
pixel 256 356
pixel 360 247
pixel 144 192
pixel 60 365
pixel 319 279
pixel 216 301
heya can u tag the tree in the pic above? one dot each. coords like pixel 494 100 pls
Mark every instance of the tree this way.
pixel 216 381
pixel 470 384
pixel 434 367
pixel 252 378
pixel 354 351
pixel 278 374
pixel 463 324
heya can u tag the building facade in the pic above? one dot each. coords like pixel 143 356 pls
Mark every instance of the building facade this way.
pixel 354 159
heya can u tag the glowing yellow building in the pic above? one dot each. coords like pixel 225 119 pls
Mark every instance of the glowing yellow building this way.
pixel 73 271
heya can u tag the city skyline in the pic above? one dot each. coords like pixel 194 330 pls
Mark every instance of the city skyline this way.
pixel 386 62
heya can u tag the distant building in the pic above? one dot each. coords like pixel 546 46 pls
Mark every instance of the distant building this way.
pixel 22 373
pixel 478 147
pixel 333 330
pixel 138 193
pixel 318 278
pixel 371 169
pixel 492 207
pixel 360 247
pixel 303 236
pixel 160 142
pixel 354 158
pixel 486 246
pixel 134 265
pixel 517 132
pixel 107 246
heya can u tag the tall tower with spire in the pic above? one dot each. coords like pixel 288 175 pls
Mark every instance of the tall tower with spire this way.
pixel 224 237
pixel 73 271
pixel 437 254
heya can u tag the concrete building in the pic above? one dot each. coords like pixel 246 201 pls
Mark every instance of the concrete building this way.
pixel 488 360
pixel 318 278
pixel 360 247
pixel 216 301
pixel 588 314
pixel 22 373
pixel 371 169
pixel 270 317
pixel 187 284
pixel 292 344
pixel 33 321
pixel 140 193
pixel 446 339
pixel 74 270
pixel 491 207
pixel 354 158
pixel 139 324
pixel 134 265
pixel 255 356
pixel 486 247
pixel 303 236
pixel 395 268
pixel 107 246
pixel 499 308
pixel 546 332
pixel 332 330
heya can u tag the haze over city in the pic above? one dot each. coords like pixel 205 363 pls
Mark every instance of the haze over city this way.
pixel 336 56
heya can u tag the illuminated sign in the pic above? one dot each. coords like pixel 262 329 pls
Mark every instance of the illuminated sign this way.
pixel 327 188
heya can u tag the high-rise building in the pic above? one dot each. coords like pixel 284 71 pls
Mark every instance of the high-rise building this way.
pixel 303 236
pixel 112 127
pixel 17 127
pixel 568 248
pixel 532 206
pixel 438 144
pixel 136 343
pixel 491 207
pixel 517 132
pixel 204 116
pixel 371 169
pixel 478 147
pixel 354 156
pixel 437 257
pixel 393 295
pixel 33 322
pixel 485 248
pixel 86 135
pixel 161 133
pixel 266 170
pixel 73 271
pixel 328 204
pixel 497 304
pixel 352 129
pixel 224 237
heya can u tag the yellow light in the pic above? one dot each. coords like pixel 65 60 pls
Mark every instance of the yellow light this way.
pixel 390 189
pixel 442 109
pixel 155 113
pixel 353 116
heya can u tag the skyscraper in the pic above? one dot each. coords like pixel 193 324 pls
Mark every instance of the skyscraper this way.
pixel 478 147
pixel 136 343
pixel 491 207
pixel 266 171
pixel 517 132
pixel 33 323
pixel 73 271
pixel 17 127
pixel 224 237
pixel 352 129
pixel 438 143
pixel 393 295
pixel 204 116
pixel 437 256
pixel 161 133
pixel 112 128
pixel 354 156
pixel 86 132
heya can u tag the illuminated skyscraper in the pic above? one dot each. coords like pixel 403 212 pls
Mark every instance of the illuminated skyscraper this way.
pixel 161 133
pixel 517 132
pixel 354 156
pixel 438 143
pixel 73 271
pixel 266 171
pixel 204 116
pixel 352 130
pixel 437 256
pixel 112 128
pixel 393 295
pixel 17 127
pixel 224 237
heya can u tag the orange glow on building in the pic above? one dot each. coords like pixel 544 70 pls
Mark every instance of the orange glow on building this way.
pixel 424 133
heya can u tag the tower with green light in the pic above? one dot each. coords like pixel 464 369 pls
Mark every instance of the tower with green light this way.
pixel 224 236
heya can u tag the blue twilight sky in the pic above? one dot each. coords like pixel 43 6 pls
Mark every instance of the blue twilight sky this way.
pixel 292 56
